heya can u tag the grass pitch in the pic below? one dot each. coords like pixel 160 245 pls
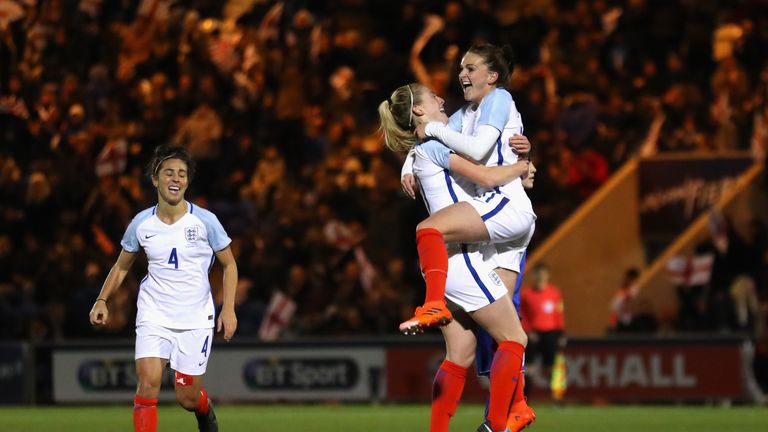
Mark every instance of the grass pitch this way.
pixel 385 418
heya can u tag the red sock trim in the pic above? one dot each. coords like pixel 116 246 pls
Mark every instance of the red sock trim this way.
pixel 513 346
pixel 141 402
pixel 202 403
pixel 423 232
pixel 454 369
pixel 433 257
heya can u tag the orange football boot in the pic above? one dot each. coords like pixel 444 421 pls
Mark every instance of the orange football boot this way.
pixel 520 417
pixel 431 314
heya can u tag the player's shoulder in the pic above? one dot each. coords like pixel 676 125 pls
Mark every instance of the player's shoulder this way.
pixel 434 151
pixel 198 211
pixel 430 145
pixel 206 216
pixel 501 93
pixel 143 215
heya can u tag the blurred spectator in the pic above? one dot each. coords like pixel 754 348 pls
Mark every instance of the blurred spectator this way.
pixel 541 306
pixel 277 102
pixel 745 313
pixel 621 306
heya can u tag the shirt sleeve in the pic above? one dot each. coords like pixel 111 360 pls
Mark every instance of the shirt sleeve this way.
pixel 217 237
pixel 130 241
pixel 454 121
pixel 437 153
pixel 495 109
pixel 475 147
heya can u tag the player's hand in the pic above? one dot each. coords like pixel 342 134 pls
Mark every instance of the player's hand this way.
pixel 421 131
pixel 99 313
pixel 228 321
pixel 408 183
pixel 520 144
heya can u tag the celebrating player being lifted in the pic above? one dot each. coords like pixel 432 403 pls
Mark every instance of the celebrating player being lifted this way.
pixel 175 310
pixel 476 293
pixel 502 215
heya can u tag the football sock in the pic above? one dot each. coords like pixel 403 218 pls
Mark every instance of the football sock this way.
pixel 202 403
pixel 446 392
pixel 519 396
pixel 505 371
pixel 144 414
pixel 434 262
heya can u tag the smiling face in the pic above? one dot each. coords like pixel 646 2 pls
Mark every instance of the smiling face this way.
pixel 430 107
pixel 475 78
pixel 171 181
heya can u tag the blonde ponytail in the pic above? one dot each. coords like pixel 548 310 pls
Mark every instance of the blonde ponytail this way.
pixel 396 117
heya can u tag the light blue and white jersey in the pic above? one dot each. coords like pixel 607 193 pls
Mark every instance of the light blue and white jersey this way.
pixel 497 109
pixel 176 292
pixel 472 282
pixel 439 187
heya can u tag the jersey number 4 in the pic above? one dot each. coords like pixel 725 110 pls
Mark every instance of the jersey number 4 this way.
pixel 174 259
pixel 205 347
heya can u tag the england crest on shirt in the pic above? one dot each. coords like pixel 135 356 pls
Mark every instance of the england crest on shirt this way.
pixel 192 233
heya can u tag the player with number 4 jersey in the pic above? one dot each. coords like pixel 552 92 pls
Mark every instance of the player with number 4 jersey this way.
pixel 175 310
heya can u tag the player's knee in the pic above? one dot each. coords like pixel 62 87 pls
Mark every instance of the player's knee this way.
pixel 514 335
pixel 427 223
pixel 148 387
pixel 187 400
pixel 523 339
pixel 463 359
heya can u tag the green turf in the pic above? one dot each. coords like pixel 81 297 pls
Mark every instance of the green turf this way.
pixel 386 418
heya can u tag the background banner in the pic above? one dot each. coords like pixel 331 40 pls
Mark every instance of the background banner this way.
pixel 675 190
pixel 233 374
pixel 597 369
pixel 14 368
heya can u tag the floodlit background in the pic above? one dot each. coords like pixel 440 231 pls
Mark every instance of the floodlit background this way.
pixel 649 124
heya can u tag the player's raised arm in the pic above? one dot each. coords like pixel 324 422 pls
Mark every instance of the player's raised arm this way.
pixel 100 312
pixel 227 319
pixel 476 147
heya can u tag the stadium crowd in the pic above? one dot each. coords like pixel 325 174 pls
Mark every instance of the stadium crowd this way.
pixel 276 101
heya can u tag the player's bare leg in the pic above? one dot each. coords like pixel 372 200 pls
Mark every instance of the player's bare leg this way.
pixel 149 373
pixel 191 395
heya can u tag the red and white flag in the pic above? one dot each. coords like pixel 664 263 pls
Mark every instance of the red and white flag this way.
pixel 690 271
pixel 112 158
pixel 279 313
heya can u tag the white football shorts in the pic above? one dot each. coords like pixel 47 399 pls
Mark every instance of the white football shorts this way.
pixel 472 281
pixel 505 222
pixel 509 255
pixel 187 350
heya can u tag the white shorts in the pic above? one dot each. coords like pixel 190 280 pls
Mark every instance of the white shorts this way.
pixel 472 282
pixel 187 350
pixel 505 222
pixel 509 255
